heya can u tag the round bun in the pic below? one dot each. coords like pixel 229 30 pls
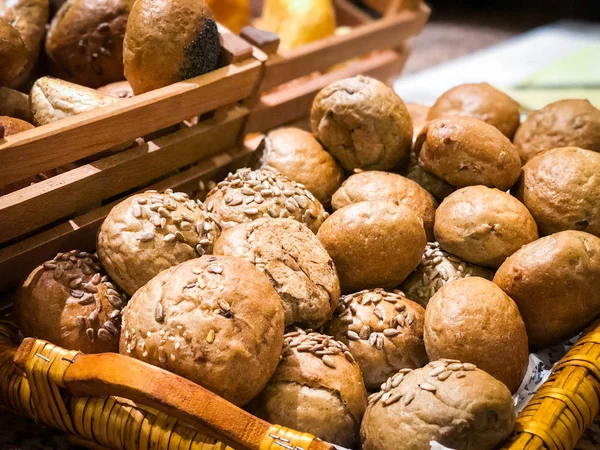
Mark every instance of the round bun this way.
pixel 561 188
pixel 298 155
pixel 12 53
pixel 215 320
pixel 384 332
pixel 119 89
pixel 150 232
pixel 483 226
pixel 418 114
pixel 374 185
pixel 472 320
pixel 234 14
pixel 555 282
pixel 85 41
pixel 564 123
pixel 432 184
pixel 373 244
pixel 247 195
pixel 71 302
pixel 464 152
pixel 436 269
pixel 13 126
pixel 295 263
pixel 480 101
pixel 454 404
pixel 14 104
pixel 167 41
pixel 363 124
pixel 317 388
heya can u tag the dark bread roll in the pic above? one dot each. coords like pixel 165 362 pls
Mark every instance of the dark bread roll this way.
pixel 12 53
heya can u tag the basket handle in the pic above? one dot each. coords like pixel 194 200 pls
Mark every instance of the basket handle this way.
pixel 111 374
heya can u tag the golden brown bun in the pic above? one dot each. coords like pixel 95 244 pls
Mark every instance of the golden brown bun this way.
pixel 298 155
pixel 8 127
pixel 363 124
pixel 215 320
pixel 14 104
pixel 565 123
pixel 432 184
pixel 480 101
pixel 71 302
pixel 436 269
pixel 374 185
pixel 234 14
pixel 12 53
pixel 472 320
pixel 464 152
pixel 483 226
pixel 418 114
pixel 373 244
pixel 119 89
pixel 150 232
pixel 317 388
pixel 555 282
pixel 247 195
pixel 85 41
pixel 13 126
pixel 384 332
pixel 561 188
pixel 454 404
pixel 167 41
pixel 295 262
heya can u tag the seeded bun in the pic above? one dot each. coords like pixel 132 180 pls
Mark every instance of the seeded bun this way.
pixel 555 282
pixel 373 244
pixel 247 195
pixel 472 320
pixel 363 123
pixel 432 184
pixel 565 123
pixel 454 404
pixel 150 232
pixel 119 89
pixel 375 185
pixel 295 263
pixel 214 320
pixel 317 388
pixel 436 269
pixel 85 41
pixel 13 126
pixel 298 155
pixel 561 188
pixel 167 41
pixel 418 114
pixel 480 101
pixel 71 302
pixel 384 332
pixel 483 226
pixel 464 152
pixel 12 53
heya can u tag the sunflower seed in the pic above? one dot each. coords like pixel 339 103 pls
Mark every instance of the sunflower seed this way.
pixel 114 314
pixel 386 396
pixel 428 387
pixel 224 305
pixel 159 312
pixel 210 337
pixel 213 268
pixel 373 339
pixel 328 361
pixel 436 371
pixel 391 332
pixel 170 238
pixel 251 211
pixel 400 307
pixel 49 265
pixel 77 293
pixel 378 314
pixel 352 335
pixel 104 335
pixel 397 379
pixel 75 282
pixel 145 237
pixel 374 398
pixel 455 366
pixel 91 334
pixel 392 399
pixel 185 226
pixel 162 355
pixel 349 356
pixel 365 332
pixel 408 398
pixel 444 375
pixel 115 301
pixel 469 367
pixel 95 279
pixel 461 375
pixel 379 342
pixel 410 318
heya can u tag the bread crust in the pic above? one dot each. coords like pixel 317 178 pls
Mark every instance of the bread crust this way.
pixel 12 53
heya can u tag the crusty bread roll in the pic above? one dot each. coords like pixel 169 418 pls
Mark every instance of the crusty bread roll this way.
pixel 119 89
pixel 12 53
pixel 215 320
pixel 454 404
pixel 13 126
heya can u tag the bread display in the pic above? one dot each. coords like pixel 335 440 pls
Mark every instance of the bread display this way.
pixel 119 89
pixel 432 184
pixel 375 185
pixel 295 263
pixel 383 332
pixel 483 226
pixel 150 232
pixel 418 114
pixel 454 404
pixel 464 152
pixel 561 188
pixel 215 320
pixel 436 269
pixel 480 101
pixel 167 41
pixel 555 282
pixel 298 155
pixel 71 302
pixel 12 53
pixel 234 14
pixel 363 123
pixel 373 244
pixel 472 320
pixel 248 194
pixel 565 123
pixel 317 388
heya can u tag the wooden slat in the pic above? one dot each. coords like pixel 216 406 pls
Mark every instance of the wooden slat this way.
pixel 349 15
pixel 63 195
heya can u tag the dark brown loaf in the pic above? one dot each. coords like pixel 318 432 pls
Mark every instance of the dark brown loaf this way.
pixel 12 53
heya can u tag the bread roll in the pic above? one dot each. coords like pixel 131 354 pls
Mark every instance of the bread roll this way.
pixel 13 126
pixel 119 89
pixel 363 123
pixel 432 184
pixel 373 244
pixel 464 152
pixel 71 302
pixel 454 404
pixel 167 41
pixel 483 226
pixel 12 53
pixel 14 104
pixel 215 320
pixel 555 282
pixel 234 14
